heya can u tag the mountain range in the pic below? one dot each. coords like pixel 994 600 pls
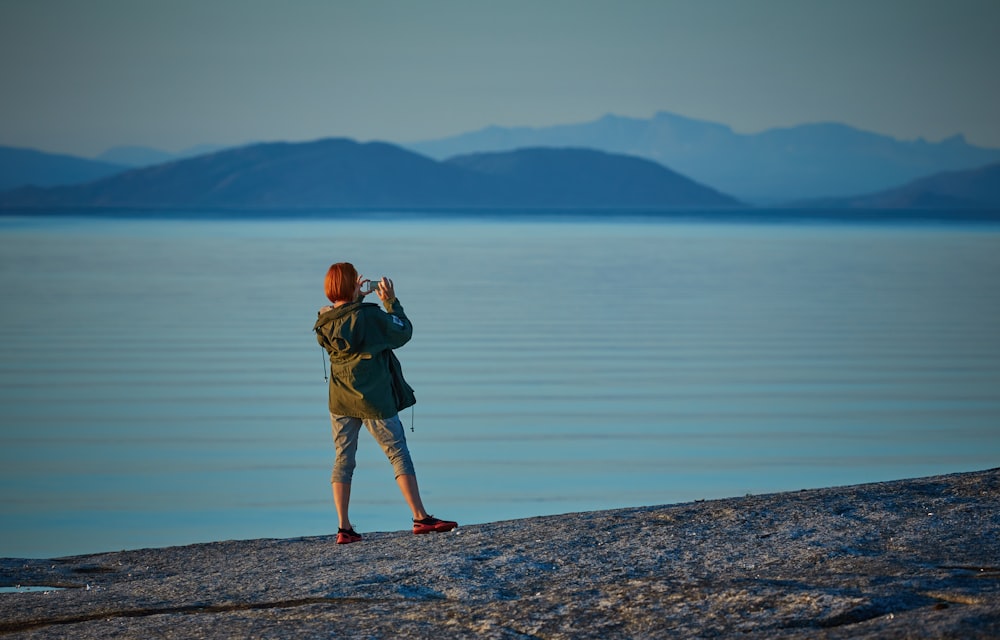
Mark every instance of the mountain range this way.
pixel 612 162
pixel 342 173
pixel 778 165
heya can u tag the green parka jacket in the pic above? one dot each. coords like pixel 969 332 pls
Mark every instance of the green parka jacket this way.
pixel 366 380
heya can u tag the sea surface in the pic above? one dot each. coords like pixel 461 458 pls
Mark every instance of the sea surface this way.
pixel 160 383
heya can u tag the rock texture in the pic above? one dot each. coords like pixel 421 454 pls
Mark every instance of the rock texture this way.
pixel 906 559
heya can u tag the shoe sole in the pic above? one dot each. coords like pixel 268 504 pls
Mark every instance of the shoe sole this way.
pixel 441 528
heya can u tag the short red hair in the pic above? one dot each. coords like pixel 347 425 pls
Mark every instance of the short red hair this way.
pixel 341 280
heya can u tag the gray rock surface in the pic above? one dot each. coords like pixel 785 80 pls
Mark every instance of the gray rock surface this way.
pixel 907 559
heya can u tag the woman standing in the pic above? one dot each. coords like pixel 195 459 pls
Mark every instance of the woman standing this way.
pixel 367 388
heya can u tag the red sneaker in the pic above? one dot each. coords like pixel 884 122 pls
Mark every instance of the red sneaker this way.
pixel 430 524
pixel 347 536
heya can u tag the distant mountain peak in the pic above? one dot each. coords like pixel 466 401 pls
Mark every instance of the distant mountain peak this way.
pixel 669 117
pixel 141 156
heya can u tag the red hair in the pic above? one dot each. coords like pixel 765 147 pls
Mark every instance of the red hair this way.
pixel 341 280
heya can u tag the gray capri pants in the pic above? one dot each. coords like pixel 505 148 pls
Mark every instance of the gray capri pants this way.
pixel 387 432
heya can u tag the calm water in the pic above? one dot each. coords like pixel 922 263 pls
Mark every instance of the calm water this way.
pixel 160 383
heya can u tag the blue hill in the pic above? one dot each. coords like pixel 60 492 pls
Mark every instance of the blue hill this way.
pixel 342 173
pixel 956 190
pixel 23 167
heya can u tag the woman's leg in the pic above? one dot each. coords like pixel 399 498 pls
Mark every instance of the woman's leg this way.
pixel 411 493
pixel 342 500
pixel 391 437
pixel 345 438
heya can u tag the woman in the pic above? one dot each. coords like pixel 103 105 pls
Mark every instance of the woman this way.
pixel 367 388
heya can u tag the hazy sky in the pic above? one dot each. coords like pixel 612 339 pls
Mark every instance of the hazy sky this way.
pixel 79 76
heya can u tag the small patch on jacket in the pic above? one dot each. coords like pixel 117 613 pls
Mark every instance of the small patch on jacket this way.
pixel 398 321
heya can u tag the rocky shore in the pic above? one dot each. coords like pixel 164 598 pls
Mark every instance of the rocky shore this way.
pixel 906 559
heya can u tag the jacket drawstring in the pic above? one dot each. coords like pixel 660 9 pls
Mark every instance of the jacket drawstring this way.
pixel 326 378
pixel 322 351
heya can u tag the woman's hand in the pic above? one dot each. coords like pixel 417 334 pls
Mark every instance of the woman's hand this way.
pixel 383 287
pixel 366 286
pixel 386 291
